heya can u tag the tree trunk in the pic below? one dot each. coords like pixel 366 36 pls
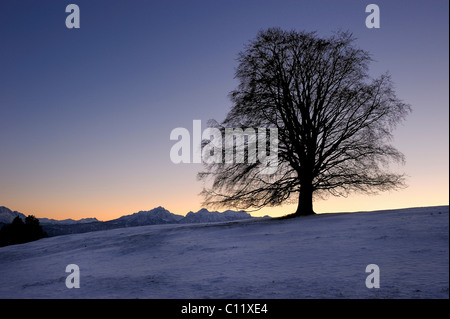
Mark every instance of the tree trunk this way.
pixel 305 202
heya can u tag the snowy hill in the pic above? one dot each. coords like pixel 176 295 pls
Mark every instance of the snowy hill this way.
pixel 321 256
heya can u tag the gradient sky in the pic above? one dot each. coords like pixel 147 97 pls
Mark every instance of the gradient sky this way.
pixel 86 114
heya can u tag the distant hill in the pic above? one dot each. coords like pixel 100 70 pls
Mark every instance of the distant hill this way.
pixel 66 221
pixel 156 216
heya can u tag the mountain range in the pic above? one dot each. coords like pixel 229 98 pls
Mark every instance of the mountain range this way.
pixel 158 215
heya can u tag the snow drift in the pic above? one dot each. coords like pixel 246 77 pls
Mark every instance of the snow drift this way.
pixel 321 256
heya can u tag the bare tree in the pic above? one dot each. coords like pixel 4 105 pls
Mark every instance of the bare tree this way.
pixel 334 123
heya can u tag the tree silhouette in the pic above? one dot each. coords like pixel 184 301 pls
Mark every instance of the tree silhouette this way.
pixel 334 123
pixel 33 229
pixel 19 232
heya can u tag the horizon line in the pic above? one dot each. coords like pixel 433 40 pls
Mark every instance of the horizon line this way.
pixel 191 211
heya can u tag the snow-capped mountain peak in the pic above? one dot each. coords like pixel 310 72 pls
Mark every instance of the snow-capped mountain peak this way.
pixel 158 215
pixel 7 215
pixel 205 216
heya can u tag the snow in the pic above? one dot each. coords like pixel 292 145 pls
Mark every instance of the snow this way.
pixel 321 256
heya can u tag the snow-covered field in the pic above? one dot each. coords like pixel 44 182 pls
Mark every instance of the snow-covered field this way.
pixel 322 256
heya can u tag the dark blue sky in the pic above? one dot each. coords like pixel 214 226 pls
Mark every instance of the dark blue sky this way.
pixel 85 114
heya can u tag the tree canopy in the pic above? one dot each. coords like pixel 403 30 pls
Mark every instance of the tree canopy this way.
pixel 334 121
